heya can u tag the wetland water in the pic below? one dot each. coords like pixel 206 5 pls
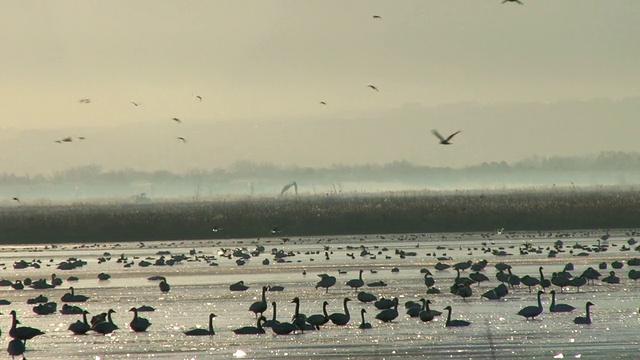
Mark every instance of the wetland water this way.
pixel 197 289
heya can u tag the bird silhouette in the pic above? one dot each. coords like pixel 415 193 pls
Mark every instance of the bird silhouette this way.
pixel 135 103
pixel 288 186
pixel 323 103
pixel 199 97
pixel 16 199
pixel 373 87
pixel 177 120
pixel 443 140
pixel 85 101
pixel 512 1
pixel 377 17
pixel 184 141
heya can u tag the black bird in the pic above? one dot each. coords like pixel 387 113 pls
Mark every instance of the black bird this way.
pixel 199 97
pixel 176 120
pixel 373 87
pixel 377 17
pixel 85 101
pixel 16 199
pixel 323 103
pixel 184 141
pixel 514 1
pixel 134 103
pixel 444 141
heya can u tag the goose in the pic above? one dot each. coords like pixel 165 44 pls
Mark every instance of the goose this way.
pixel 318 320
pixel 202 332
pixel 364 324
pixel 341 318
pixel 356 283
pixel 454 323
pixel 164 286
pixel 260 306
pixel 23 332
pixel 138 324
pixel 559 307
pixel 530 312
pixel 106 327
pixel 326 281
pixel 72 297
pixel 273 320
pixel 388 315
pixel 478 277
pixel 80 327
pixel 16 347
pixel 252 330
pixel 584 319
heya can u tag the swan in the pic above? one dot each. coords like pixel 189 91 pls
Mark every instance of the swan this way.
pixel 545 283
pixel 300 320
pixel 341 318
pixel 366 297
pixel 426 314
pixel 24 332
pixel 584 319
pixel 383 304
pixel 70 310
pixel 530 312
pixel 283 328
pixel 388 315
pixel 260 306
pixel 252 330
pixel 530 281
pixel 429 281
pixel 239 286
pixel 55 281
pixel 164 286
pixel 138 324
pixel 612 278
pixel 72 297
pixel 356 283
pixel 106 327
pixel 273 320
pixel 319 319
pixel 80 327
pixel 454 323
pixel 364 324
pixel 201 332
pixel 559 307
pixel 326 281
pixel 17 285
pixel 16 347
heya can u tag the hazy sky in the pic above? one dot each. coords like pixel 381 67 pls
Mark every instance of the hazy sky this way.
pixel 263 61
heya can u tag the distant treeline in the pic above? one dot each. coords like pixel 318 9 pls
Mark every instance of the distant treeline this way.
pixel 409 212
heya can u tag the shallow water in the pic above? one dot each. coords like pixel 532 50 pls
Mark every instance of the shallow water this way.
pixel 197 289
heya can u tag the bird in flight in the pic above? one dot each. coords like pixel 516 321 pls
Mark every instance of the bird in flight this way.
pixel 85 101
pixel 444 141
pixel 323 103
pixel 135 103
pixel 373 87
pixel 199 97
pixel 177 120
pixel 514 1
pixel 67 139
pixel 81 138
pixel 184 141
pixel 16 199
pixel 377 17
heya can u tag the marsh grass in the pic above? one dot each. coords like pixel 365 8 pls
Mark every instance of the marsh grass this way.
pixel 338 214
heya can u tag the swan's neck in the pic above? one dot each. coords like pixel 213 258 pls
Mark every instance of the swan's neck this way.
pixel 324 310
pixel 264 297
pixel 541 275
pixel 539 300
pixel 211 325
pixel 84 318
pixel 360 277
pixel 362 313
pixel 448 316
pixel 346 309
pixel 274 311
pixel 109 317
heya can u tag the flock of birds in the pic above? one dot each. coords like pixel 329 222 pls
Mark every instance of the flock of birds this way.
pixel 388 309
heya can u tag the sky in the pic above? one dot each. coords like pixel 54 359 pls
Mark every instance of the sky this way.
pixel 263 67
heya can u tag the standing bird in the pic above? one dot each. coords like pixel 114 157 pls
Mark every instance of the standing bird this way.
pixel 138 324
pixel 373 87
pixel 341 318
pixel 356 283
pixel 16 347
pixel 326 281
pixel 530 312
pixel 260 306
pixel 364 324
pixel 444 141
pixel 201 332
pixel 23 332
pixel 584 319
pixel 318 320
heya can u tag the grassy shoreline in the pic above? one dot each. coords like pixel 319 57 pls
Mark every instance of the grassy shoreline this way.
pixel 344 214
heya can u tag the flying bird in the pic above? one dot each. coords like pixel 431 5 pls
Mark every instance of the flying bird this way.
pixel 184 141
pixel 81 138
pixel 444 141
pixel 377 17
pixel 323 103
pixel 176 120
pixel 373 87
pixel 16 199
pixel 67 139
pixel 135 103
pixel 85 101
pixel 514 1
pixel 199 97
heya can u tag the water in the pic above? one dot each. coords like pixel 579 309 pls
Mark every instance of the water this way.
pixel 197 289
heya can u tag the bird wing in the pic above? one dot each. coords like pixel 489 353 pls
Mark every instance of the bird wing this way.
pixel 437 134
pixel 452 135
pixel 374 88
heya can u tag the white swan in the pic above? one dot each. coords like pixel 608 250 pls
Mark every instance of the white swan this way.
pixel 318 320
pixel 326 281
pixel 24 332
pixel 202 332
pixel 106 327
pixel 72 297
pixel 388 315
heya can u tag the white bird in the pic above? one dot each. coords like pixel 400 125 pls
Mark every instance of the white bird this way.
pixel 201 332
pixel 443 140
pixel 24 332
pixel 15 348
pixel 164 286
pixel 72 297
pixel 388 315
